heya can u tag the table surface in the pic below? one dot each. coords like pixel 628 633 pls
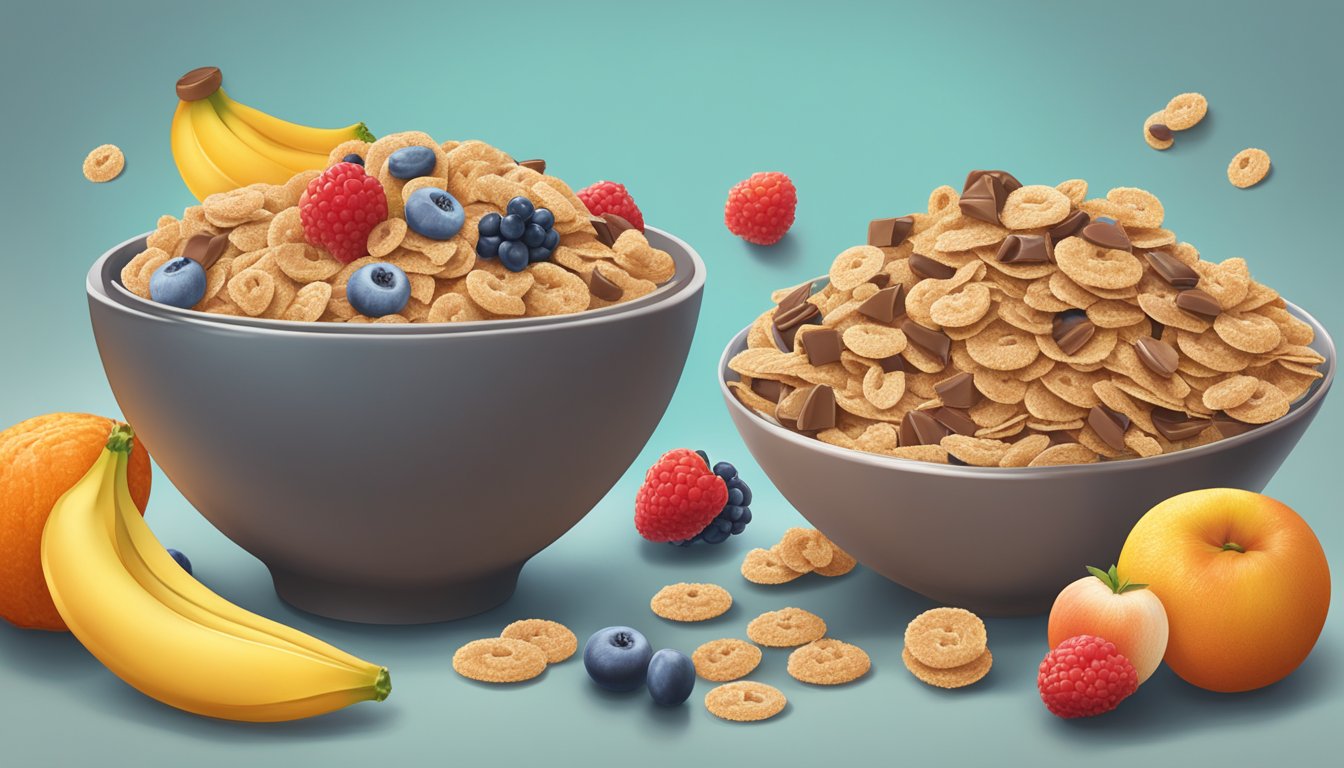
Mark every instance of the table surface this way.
pixel 867 106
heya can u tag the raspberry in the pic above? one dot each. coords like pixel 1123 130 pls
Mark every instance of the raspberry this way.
pixel 679 497
pixel 610 197
pixel 339 208
pixel 760 210
pixel 1085 676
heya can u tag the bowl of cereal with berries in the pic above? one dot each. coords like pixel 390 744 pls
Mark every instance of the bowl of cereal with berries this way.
pixel 990 393
pixel 395 380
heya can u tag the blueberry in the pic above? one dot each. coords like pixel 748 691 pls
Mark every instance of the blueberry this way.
pixel 488 247
pixel 520 207
pixel 410 162
pixel 179 283
pixel 617 658
pixel 434 213
pixel 671 678
pixel 552 240
pixel 543 217
pixel 353 158
pixel 514 255
pixel 489 226
pixel 538 254
pixel 181 560
pixel 511 227
pixel 533 236
pixel 378 289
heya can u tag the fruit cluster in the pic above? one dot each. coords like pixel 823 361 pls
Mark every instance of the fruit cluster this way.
pixel 621 659
pixel 523 235
pixel 683 501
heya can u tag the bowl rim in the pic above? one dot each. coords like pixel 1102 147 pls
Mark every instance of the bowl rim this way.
pixel 680 288
pixel 1306 404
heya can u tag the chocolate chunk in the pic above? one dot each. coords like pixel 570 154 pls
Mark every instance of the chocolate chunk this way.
pixel 1174 271
pixel 1199 302
pixel 781 343
pixel 1071 331
pixel 881 280
pixel 1070 226
pixel 617 225
pixel 1008 180
pixel 604 234
pixel 788 318
pixel 794 298
pixel 1109 425
pixel 601 286
pixel 1157 327
pixel 769 389
pixel 537 165
pixel 919 428
pixel 818 410
pixel 925 267
pixel 935 343
pixel 1175 425
pixel 983 198
pixel 1228 426
pixel 1157 355
pixel 958 391
pixel 206 249
pixel 199 83
pixel 1023 249
pixel 1159 131
pixel 1061 436
pixel 893 364
pixel 1107 234
pixel 886 305
pixel 821 346
pixel 888 233
pixel 956 420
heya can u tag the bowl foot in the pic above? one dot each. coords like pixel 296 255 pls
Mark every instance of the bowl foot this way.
pixel 396 604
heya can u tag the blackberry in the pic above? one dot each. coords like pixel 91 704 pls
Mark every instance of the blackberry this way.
pixel 736 513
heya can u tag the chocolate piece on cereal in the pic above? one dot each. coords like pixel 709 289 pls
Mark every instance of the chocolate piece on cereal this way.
pixel 768 388
pixel 1160 131
pixel 1199 302
pixel 894 363
pixel 602 287
pixel 919 428
pixel 1107 234
pixel 924 266
pixel 1109 425
pixel 889 233
pixel 603 229
pixel 537 165
pixel 788 321
pixel 1230 427
pixel 822 346
pixel 1023 249
pixel 617 224
pixel 794 298
pixel 886 305
pixel 1070 226
pixel 958 391
pixel 206 249
pixel 985 192
pixel 1159 356
pixel 1174 272
pixel 936 343
pixel 1071 331
pixel 818 410
pixel 954 419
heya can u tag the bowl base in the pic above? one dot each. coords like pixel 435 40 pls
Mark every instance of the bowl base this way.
pixel 396 604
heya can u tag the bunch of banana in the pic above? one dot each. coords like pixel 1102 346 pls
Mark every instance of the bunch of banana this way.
pixel 220 144
pixel 144 617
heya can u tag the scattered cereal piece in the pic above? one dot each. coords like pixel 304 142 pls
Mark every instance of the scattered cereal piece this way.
pixel 1248 168
pixel 1184 111
pixel 943 638
pixel 804 550
pixel 691 602
pixel 556 640
pixel 104 163
pixel 499 660
pixel 1157 133
pixel 828 662
pixel 841 563
pixel 764 566
pixel 728 659
pixel 786 627
pixel 745 701
pixel 952 677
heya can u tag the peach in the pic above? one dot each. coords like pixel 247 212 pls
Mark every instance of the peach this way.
pixel 1122 612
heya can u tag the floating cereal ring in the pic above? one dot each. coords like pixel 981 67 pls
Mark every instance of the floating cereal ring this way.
pixel 963 308
pixel 104 163
pixel 309 303
pixel 386 236
pixel 1136 207
pixel 1001 347
pixel 1034 205
pixel 942 200
pixel 494 294
pixel 556 291
pixel 1248 168
pixel 855 266
pixel 252 290
pixel 1185 111
pixel 1096 267
pixel 1153 141
pixel 875 342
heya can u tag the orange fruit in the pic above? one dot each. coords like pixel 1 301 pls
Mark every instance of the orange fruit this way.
pixel 40 459
pixel 1244 582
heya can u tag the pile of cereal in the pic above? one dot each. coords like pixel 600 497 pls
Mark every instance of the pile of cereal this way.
pixel 1021 326
pixel 258 262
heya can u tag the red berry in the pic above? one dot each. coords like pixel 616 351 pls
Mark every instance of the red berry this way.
pixel 760 210
pixel 1085 676
pixel 340 208
pixel 680 496
pixel 610 197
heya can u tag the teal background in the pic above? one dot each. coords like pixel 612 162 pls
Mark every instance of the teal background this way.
pixel 867 106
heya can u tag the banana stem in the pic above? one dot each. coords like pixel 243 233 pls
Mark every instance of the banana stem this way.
pixel 382 687
pixel 121 438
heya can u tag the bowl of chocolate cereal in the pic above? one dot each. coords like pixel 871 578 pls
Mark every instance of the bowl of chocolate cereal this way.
pixel 988 395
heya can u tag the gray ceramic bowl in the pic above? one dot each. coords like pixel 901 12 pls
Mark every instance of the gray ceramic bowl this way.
pixel 1000 541
pixel 395 474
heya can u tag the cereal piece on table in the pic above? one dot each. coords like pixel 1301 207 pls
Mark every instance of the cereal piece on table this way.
pixel 104 163
pixel 721 661
pixel 1184 111
pixel 786 627
pixel 943 638
pixel 745 701
pixel 764 566
pixel 804 549
pixel 691 602
pixel 952 677
pixel 1248 168
pixel 499 660
pixel 841 563
pixel 554 639
pixel 828 662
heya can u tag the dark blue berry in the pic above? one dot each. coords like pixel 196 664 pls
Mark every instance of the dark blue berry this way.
pixel 511 227
pixel 534 236
pixel 552 239
pixel 520 207
pixel 538 254
pixel 544 217
pixel 181 559
pixel 513 255
pixel 489 226
pixel 736 513
pixel 488 247
pixel 353 158
pixel 410 162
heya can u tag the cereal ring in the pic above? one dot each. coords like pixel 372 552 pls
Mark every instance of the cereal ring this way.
pixel 944 199
pixel 1021 453
pixel 954 677
pixel 691 602
pixel 104 163
pixel 1210 351
pixel 1001 347
pixel 804 549
pixel 745 701
pixel 641 260
pixel 229 209
pixel 499 660
pixel 1065 290
pixel 1163 309
pixel 494 294
pixel 720 661
pixel 975 451
pixel 856 265
pixel 304 263
pixel 883 389
pixel 1046 406
pixel 135 275
pixel 841 563
pixel 1074 189
pixel 1230 392
pixel 546 195
pixel 309 303
pixel 1248 332
pixel 252 290
pixel 1064 453
pixel 1096 267
pixel 1143 445
pixel 1248 168
pixel 876 342
pixel 763 566
pixel 351 147
pixel 453 308
pixel 1156 119
pixel 553 638
pixel 1073 386
pixel 377 153
pixel 828 662
pixel 1184 111
pixel 1034 205
pixel 1136 207
pixel 250 236
pixel 285 227
pixel 555 291
pixel 786 627
pixel 945 637
pixel 421 182
pixel 1265 405
pixel 963 308
pixel 386 236
pixel 1001 387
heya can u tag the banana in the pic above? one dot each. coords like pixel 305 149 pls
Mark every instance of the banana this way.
pixel 294 159
pixel 168 636
pixel 231 154
pixel 302 137
pixel 201 175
